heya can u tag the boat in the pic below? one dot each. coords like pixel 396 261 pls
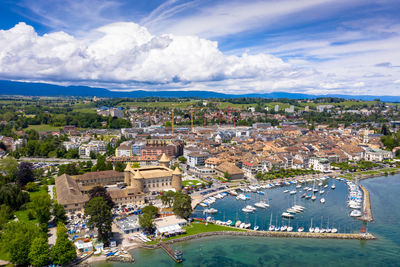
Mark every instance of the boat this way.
pixel 283 228
pixel 287 215
pixel 298 186
pixel 326 186
pixel 271 227
pixel 322 200
pixel 256 228
pixel 289 229
pixel 203 204
pixel 277 229
pixel 247 210
pixel 313 197
pixel 247 225
pixel 311 229
pixel 242 225
pixel 229 222
pixel 250 207
pixel 301 229
pixel 233 193
pixel 320 184
pixel 316 230
pixel 308 196
pixel 210 211
pixel 333 186
pixel 303 195
pixel 321 192
pixel 322 230
pixel 293 192
pixel 334 230
pixel 260 192
pixel 286 191
pixel 355 213
pixel 238 223
pixel 261 204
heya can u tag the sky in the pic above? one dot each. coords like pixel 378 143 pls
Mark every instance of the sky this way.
pixel 299 46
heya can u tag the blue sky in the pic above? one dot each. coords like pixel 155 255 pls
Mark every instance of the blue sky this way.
pixel 306 46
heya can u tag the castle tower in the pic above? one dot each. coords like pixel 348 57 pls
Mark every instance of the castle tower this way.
pixel 164 161
pixel 137 181
pixel 177 179
pixel 127 174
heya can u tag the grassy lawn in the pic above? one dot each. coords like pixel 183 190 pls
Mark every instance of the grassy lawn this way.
pixel 22 215
pixel 191 182
pixel 43 128
pixel 200 227
pixel 351 175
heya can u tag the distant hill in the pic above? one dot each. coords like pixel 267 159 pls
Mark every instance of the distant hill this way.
pixel 43 89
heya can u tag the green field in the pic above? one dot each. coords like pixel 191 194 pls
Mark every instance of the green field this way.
pixel 43 128
pixel 200 227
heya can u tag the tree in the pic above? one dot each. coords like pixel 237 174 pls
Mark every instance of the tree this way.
pixel 152 210
pixel 120 166
pixel 9 166
pixel 135 165
pixel 167 198
pixel 13 196
pixel 6 214
pixel 59 213
pixel 100 217
pixel 25 173
pixel 182 205
pixel 100 191
pixel 31 187
pixel 17 239
pixel 40 204
pixel 64 250
pixel 227 175
pixel 101 163
pixel 92 155
pixel 182 159
pixel 146 221
pixel 39 253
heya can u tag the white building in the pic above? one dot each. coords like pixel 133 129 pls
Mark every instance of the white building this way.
pixel 98 147
pixel 197 159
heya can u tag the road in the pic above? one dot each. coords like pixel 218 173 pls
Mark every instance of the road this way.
pixel 54 160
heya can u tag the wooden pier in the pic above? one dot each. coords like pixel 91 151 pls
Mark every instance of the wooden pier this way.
pixel 176 256
pixel 367 210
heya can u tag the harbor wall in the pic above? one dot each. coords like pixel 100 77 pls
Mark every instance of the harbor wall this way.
pixel 356 236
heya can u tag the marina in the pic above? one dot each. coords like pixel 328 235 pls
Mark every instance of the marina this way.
pixel 337 203
pixel 228 250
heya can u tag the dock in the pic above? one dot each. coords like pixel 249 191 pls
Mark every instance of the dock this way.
pixel 367 210
pixel 175 255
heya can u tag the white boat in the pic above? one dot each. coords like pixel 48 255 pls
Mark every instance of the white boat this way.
pixel 321 192
pixel 287 215
pixel 286 191
pixel 316 230
pixel 271 227
pixel 203 204
pixel 242 225
pixel 277 229
pixel 322 200
pixel 247 225
pixel 233 193
pixel 334 230
pixel 256 228
pixel 247 210
pixel 250 207
pixel 326 186
pixel 311 229
pixel 328 230
pixel 293 192
pixel 289 229
pixel 333 186
pixel 283 228
pixel 301 229
pixel 322 230
pixel 298 186
pixel 355 213
pixel 210 211
pixel 313 197
pixel 228 222
pixel 261 204
pixel 238 223
pixel 320 184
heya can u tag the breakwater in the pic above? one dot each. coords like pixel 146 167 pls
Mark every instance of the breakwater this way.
pixel 354 236
pixel 367 210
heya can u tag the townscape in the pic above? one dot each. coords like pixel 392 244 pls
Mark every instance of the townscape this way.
pixel 107 189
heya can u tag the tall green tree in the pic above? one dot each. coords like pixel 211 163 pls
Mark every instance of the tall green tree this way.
pixel 6 214
pixel 120 166
pixel 146 221
pixel 182 205
pixel 9 166
pixel 100 191
pixel 41 204
pixel 100 217
pixel 17 239
pixel 59 213
pixel 39 252
pixel 63 251
pixel 13 196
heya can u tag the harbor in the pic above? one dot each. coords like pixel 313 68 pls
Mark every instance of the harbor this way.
pixel 312 205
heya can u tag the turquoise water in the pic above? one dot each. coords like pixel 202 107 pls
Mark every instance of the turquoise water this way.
pixel 260 251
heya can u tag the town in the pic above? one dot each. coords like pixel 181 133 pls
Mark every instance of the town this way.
pixel 103 176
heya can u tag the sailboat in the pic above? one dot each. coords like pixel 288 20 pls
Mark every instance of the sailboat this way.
pixel 289 228
pixel 271 227
pixel 322 200
pixel 314 190
pixel 256 227
pixel 311 229
pixel 333 185
pixel 277 228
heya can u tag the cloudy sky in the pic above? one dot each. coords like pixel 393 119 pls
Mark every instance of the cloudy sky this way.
pixel 305 46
